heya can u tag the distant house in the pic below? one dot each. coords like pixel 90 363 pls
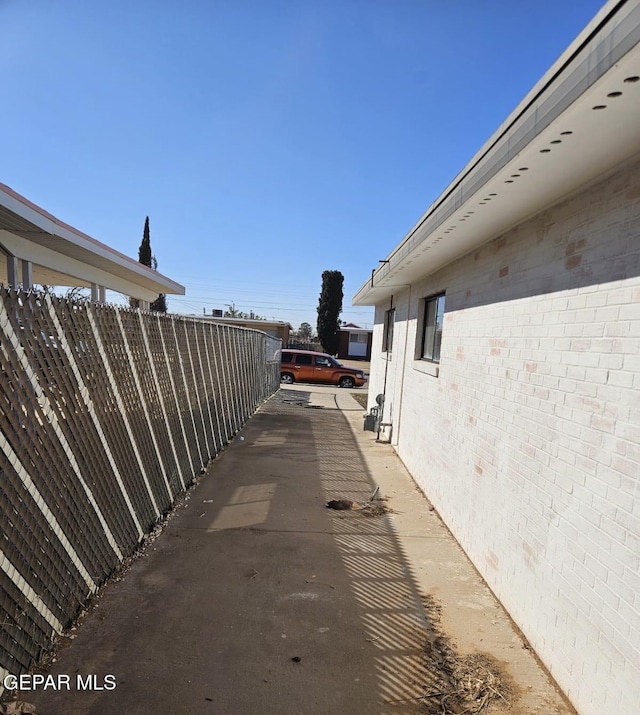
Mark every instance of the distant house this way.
pixel 276 328
pixel 38 248
pixel 507 345
pixel 355 342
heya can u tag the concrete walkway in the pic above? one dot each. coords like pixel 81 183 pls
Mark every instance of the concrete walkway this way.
pixel 257 599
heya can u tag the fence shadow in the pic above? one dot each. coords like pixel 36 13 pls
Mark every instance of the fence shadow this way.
pixel 257 598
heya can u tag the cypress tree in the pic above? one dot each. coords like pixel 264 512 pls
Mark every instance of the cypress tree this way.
pixel 329 309
pixel 145 257
pixel 144 252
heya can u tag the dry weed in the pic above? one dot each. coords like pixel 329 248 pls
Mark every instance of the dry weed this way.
pixel 466 685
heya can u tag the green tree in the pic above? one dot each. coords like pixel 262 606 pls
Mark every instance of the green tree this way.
pixel 144 252
pixel 329 309
pixel 146 257
pixel 305 331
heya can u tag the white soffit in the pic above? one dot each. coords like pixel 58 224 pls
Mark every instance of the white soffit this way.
pixel 579 122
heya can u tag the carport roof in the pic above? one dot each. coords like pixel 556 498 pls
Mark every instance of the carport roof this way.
pixel 578 123
pixel 63 255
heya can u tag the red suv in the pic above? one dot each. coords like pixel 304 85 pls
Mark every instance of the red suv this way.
pixel 306 366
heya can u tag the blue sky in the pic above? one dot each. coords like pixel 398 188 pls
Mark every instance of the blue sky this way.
pixel 267 140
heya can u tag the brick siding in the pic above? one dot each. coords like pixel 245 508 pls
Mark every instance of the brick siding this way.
pixel 528 441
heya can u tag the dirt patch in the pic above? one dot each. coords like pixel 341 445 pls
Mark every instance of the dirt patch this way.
pixel 361 398
pixel 375 508
pixel 472 684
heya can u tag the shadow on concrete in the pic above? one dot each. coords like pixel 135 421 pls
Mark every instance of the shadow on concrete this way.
pixel 258 599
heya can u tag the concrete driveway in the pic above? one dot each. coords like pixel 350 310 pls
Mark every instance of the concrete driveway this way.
pixel 256 598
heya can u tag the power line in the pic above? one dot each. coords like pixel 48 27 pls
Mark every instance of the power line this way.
pixel 258 304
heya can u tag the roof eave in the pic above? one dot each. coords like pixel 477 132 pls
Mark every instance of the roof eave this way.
pixel 30 233
pixel 492 194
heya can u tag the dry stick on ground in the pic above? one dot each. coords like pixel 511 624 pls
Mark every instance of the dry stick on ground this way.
pixel 462 685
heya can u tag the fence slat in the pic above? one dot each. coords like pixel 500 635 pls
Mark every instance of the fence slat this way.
pixel 106 416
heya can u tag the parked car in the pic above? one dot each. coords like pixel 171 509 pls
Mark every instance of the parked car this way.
pixel 308 366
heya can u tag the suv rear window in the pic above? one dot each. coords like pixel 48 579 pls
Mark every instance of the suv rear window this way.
pixel 287 357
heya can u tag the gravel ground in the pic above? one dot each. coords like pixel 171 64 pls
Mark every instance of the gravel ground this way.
pixel 361 398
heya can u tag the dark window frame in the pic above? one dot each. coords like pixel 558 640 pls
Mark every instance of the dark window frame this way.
pixel 387 335
pixel 431 331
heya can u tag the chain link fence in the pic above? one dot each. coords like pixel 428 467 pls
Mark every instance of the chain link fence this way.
pixel 106 416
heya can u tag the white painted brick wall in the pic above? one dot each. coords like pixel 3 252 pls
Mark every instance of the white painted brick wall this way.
pixel 528 442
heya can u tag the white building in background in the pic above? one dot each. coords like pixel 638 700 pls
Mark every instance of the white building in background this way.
pixel 507 345
pixel 37 248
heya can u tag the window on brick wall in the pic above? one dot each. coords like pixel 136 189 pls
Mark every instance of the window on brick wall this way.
pixel 432 328
pixel 387 336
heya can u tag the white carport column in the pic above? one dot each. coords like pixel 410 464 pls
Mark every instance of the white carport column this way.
pixel 12 271
pixel 98 293
pixel 27 275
